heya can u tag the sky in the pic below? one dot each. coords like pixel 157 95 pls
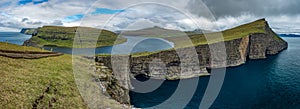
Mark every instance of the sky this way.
pixel 215 15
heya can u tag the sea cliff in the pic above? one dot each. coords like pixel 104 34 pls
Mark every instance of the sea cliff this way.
pixel 251 46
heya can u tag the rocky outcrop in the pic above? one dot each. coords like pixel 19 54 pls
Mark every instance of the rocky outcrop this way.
pixel 263 44
pixel 31 43
pixel 110 85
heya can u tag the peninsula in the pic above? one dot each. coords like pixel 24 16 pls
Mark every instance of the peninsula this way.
pixel 65 36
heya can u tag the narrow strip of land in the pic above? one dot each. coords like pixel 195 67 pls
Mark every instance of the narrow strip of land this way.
pixel 27 54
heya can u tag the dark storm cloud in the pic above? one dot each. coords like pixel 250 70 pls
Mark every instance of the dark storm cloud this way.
pixel 221 8
pixel 35 23
pixel 25 19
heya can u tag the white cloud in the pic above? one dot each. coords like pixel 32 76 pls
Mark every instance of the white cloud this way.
pixel 136 17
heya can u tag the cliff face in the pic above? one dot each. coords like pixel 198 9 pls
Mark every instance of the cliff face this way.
pixel 253 46
pixel 111 85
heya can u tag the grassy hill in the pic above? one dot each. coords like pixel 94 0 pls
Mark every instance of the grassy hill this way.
pixel 40 83
pixel 64 37
pixel 244 30
pixel 257 26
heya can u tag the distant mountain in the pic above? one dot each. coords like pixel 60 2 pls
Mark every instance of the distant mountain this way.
pixel 154 32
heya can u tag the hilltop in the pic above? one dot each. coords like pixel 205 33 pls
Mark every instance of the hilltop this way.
pixel 258 26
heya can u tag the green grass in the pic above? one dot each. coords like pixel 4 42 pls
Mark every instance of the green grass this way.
pixel 25 82
pixel 13 47
pixel 65 36
pixel 230 34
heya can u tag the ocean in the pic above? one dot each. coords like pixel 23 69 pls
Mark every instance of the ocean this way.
pixel 14 37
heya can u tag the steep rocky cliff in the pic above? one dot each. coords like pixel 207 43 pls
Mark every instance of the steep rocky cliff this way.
pixel 167 64
pixel 252 46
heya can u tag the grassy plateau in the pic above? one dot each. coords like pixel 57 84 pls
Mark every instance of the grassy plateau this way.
pixel 40 83
pixel 65 36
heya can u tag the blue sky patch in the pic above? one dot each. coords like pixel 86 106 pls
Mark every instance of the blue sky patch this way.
pixel 73 18
pixel 106 11
pixel 24 2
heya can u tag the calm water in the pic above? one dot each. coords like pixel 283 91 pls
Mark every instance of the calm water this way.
pixel 13 37
pixel 273 83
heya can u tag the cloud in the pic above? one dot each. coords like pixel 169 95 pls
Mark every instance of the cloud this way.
pixel 235 8
pixel 115 14
pixel 34 23
pixel 25 19
pixel 57 22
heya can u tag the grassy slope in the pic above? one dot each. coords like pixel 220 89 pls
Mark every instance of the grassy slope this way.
pixel 64 37
pixel 8 46
pixel 24 81
pixel 230 34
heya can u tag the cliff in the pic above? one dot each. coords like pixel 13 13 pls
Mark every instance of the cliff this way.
pixel 167 64
pixel 252 46
pixel 29 31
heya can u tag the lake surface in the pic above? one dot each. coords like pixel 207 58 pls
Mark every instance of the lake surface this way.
pixel 14 37
pixel 273 83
